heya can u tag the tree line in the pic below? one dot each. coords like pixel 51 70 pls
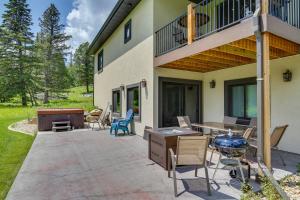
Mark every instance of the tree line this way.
pixel 35 65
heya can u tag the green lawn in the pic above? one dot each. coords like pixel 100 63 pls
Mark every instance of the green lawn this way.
pixel 15 146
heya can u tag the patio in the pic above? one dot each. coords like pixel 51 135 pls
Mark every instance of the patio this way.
pixel 85 164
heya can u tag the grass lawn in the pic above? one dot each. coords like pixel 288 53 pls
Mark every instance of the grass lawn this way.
pixel 15 146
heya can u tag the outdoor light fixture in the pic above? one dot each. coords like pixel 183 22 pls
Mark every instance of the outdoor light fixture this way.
pixel 287 76
pixel 212 84
pixel 144 83
pixel 122 87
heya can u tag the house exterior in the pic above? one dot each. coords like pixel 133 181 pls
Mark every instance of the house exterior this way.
pixel 165 58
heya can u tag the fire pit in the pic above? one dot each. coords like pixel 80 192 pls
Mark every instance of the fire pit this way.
pixel 47 116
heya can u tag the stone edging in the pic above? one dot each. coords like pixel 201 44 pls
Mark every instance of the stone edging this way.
pixel 10 127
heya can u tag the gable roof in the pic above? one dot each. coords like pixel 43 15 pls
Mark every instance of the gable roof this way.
pixel 115 18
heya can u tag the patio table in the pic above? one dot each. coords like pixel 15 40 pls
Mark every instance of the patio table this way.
pixel 218 126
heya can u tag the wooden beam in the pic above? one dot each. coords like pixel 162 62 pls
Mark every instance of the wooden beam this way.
pixel 197 65
pixel 191 23
pixel 266 100
pixel 199 61
pixel 282 44
pixel 183 67
pixel 236 50
pixel 229 57
pixel 216 60
pixel 250 46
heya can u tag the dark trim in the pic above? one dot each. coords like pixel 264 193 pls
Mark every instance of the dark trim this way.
pixel 121 10
pixel 116 114
pixel 139 117
pixel 183 81
pixel 100 68
pixel 227 92
pixel 127 25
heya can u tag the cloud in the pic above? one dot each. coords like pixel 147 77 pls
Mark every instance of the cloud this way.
pixel 86 18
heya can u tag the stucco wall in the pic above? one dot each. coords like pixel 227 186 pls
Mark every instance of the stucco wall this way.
pixel 142 28
pixel 127 64
pixel 166 11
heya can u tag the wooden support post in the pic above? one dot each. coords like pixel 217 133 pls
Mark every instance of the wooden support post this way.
pixel 191 23
pixel 267 100
pixel 266 91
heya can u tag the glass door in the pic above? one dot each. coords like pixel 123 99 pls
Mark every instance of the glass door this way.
pixel 178 98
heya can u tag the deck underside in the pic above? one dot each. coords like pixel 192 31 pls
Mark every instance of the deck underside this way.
pixel 233 54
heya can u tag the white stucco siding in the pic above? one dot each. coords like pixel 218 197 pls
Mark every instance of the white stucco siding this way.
pixel 127 64
pixel 142 27
pixel 128 69
pixel 166 11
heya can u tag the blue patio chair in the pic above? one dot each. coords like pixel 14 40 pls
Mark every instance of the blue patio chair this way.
pixel 122 124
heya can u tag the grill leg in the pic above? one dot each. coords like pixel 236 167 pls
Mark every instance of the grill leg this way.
pixel 213 178
pixel 241 170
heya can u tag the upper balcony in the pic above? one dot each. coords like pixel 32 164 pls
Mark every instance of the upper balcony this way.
pixel 222 30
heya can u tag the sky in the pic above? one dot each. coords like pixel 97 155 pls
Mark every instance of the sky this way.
pixel 82 18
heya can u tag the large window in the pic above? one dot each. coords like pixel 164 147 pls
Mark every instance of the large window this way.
pixel 127 32
pixel 100 61
pixel 116 102
pixel 240 98
pixel 134 100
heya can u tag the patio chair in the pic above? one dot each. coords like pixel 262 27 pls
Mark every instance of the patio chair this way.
pixel 184 122
pixel 253 122
pixel 179 35
pixel 191 151
pixel 276 136
pixel 275 139
pixel 122 124
pixel 229 120
pixel 101 121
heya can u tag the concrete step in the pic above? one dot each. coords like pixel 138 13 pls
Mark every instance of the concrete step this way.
pixel 60 123
pixel 61 128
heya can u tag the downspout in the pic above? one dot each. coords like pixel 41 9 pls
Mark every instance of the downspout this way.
pixel 257 28
pixel 260 96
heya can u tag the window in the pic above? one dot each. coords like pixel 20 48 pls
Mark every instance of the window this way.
pixel 100 61
pixel 116 102
pixel 127 32
pixel 240 98
pixel 134 100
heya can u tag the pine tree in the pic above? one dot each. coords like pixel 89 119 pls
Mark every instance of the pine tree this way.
pixel 16 48
pixel 84 65
pixel 53 45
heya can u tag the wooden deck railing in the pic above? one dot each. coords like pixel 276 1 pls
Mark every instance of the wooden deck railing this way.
pixel 286 10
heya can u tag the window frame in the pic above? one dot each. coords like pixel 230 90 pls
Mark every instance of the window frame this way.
pixel 128 25
pixel 116 114
pixel 228 95
pixel 100 67
pixel 128 87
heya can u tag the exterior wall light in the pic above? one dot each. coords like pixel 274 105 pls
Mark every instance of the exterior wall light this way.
pixel 287 76
pixel 122 87
pixel 144 83
pixel 212 84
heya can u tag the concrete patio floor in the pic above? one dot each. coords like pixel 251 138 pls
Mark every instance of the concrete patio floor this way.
pixel 85 164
